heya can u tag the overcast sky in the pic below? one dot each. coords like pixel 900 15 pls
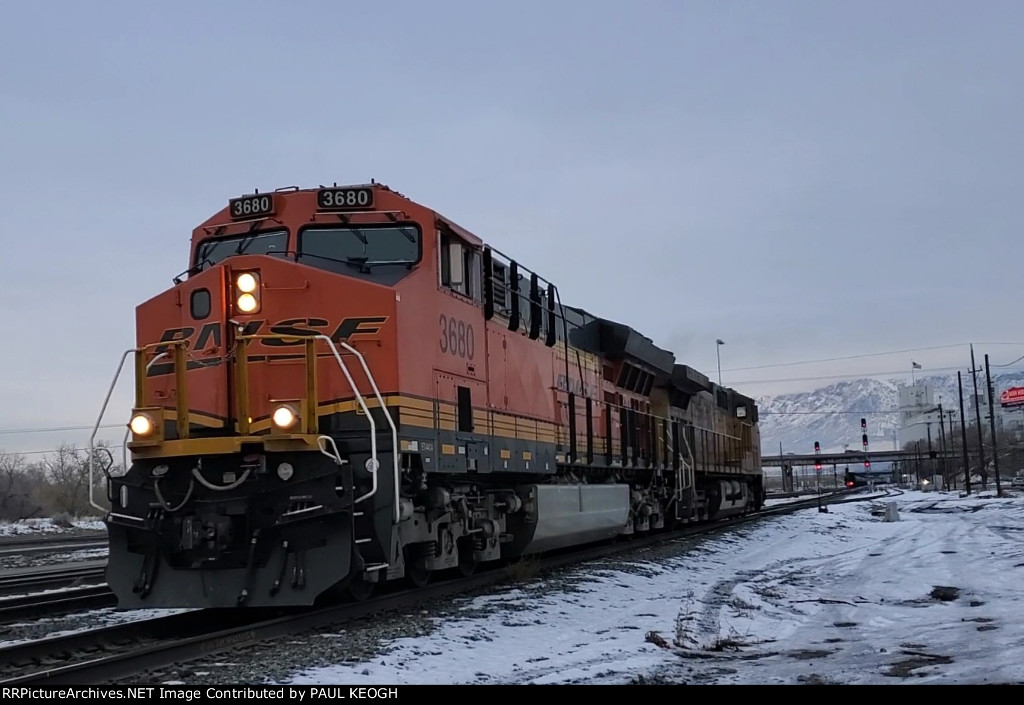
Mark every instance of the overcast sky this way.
pixel 804 180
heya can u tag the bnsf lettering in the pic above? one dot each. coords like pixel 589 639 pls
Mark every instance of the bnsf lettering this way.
pixel 457 337
pixel 295 328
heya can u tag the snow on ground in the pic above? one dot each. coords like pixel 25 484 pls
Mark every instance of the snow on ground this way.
pixel 32 527
pixel 837 597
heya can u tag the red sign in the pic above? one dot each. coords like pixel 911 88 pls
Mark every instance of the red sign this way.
pixel 1014 396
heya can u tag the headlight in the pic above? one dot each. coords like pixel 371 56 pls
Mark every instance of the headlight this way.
pixel 141 425
pixel 247 291
pixel 247 303
pixel 285 471
pixel 284 417
pixel 246 283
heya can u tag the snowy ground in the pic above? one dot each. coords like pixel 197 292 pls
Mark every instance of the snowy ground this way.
pixel 39 527
pixel 838 597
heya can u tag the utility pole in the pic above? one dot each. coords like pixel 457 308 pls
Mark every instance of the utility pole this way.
pixel 942 445
pixel 977 418
pixel 952 445
pixel 931 453
pixel 963 434
pixel 992 426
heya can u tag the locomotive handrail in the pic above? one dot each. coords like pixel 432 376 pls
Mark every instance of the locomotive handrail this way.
pixel 374 463
pixel 394 429
pixel 96 428
pixel 103 410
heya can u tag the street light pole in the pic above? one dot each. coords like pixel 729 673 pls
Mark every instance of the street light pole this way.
pixel 718 350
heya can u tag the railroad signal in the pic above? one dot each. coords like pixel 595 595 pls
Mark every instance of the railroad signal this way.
pixel 863 424
pixel 867 463
pixel 817 463
pixel 817 447
pixel 864 439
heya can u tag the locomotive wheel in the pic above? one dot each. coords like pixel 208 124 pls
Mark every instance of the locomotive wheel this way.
pixel 417 572
pixel 359 589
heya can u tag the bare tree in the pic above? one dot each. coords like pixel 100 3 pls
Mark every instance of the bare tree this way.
pixel 16 489
pixel 67 480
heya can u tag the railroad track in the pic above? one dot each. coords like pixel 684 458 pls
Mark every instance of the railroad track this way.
pixel 128 650
pixel 22 546
pixel 52 576
pixel 25 607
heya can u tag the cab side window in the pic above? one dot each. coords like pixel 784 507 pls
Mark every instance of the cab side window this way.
pixel 460 266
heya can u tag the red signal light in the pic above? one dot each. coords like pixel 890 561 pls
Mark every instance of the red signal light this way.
pixel 849 483
pixel 867 463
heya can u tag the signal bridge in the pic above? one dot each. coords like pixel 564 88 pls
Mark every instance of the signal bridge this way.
pixel 853 456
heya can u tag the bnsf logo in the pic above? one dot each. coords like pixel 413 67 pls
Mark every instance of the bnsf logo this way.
pixel 295 328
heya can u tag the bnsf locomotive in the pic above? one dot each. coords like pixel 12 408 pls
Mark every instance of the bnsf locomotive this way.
pixel 347 388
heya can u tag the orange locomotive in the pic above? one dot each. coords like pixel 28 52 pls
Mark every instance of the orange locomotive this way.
pixel 347 388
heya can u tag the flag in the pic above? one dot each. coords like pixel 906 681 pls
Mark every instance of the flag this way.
pixel 720 341
pixel 914 365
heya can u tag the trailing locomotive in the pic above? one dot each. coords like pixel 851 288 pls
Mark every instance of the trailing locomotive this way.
pixel 347 388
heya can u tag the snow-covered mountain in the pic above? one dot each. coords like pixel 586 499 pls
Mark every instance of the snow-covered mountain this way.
pixel 831 415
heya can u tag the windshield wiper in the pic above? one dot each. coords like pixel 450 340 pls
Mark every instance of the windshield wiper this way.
pixel 365 263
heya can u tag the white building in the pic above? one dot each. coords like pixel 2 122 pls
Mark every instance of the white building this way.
pixel 918 414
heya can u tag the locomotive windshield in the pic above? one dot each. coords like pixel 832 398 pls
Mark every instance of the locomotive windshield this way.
pixel 363 246
pixel 214 251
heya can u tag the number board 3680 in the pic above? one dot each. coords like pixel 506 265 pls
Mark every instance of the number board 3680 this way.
pixel 251 206
pixel 339 199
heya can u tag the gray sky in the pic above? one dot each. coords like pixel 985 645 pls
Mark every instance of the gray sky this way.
pixel 801 179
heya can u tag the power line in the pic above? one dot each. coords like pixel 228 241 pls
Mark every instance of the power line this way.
pixel 54 429
pixel 847 357
pixel 808 413
pixel 838 376
pixel 864 355
pixel 54 450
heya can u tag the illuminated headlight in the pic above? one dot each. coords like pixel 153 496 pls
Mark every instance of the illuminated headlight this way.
pixel 285 471
pixel 284 417
pixel 246 283
pixel 247 303
pixel 141 425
